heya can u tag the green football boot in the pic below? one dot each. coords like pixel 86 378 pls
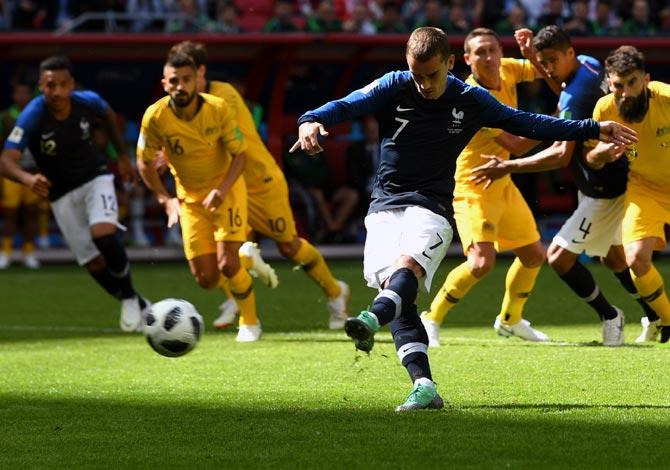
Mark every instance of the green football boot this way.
pixel 422 396
pixel 362 330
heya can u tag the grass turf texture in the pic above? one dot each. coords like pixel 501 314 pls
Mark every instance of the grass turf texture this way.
pixel 74 392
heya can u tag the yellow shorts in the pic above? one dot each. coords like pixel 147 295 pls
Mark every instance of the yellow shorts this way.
pixel 500 217
pixel 270 212
pixel 16 194
pixel 645 216
pixel 202 230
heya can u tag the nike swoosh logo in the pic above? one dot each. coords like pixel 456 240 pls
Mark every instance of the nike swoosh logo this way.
pixel 577 242
pixel 402 110
pixel 48 134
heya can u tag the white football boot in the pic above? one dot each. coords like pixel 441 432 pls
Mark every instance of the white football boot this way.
pixel 248 333
pixel 5 261
pixel 433 330
pixel 229 310
pixel 338 307
pixel 650 330
pixel 131 314
pixel 30 261
pixel 613 329
pixel 259 268
pixel 521 330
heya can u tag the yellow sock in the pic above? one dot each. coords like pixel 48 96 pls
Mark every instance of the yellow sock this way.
pixel 246 262
pixel 241 286
pixel 316 268
pixel 7 244
pixel 651 290
pixel 28 248
pixel 519 281
pixel 224 285
pixel 458 283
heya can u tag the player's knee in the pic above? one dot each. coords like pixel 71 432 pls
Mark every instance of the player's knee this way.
pixel 97 264
pixel 102 229
pixel 229 265
pixel 207 279
pixel 289 249
pixel 534 257
pixel 481 265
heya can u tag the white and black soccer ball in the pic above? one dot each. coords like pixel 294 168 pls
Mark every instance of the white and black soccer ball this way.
pixel 172 327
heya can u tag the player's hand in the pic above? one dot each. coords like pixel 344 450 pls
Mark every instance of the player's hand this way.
pixel 173 211
pixel 308 138
pixel 160 161
pixel 127 171
pixel 213 200
pixel 40 185
pixel 606 153
pixel 613 132
pixel 524 38
pixel 494 168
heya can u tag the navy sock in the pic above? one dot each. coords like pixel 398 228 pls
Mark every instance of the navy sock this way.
pixel 399 293
pixel 627 282
pixel 411 343
pixel 117 262
pixel 581 281
pixel 108 282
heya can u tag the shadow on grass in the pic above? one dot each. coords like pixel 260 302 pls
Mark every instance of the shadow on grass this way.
pixel 68 433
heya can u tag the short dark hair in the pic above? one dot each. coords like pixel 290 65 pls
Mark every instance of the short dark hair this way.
pixel 55 62
pixel 552 37
pixel 179 59
pixel 624 60
pixel 424 43
pixel 196 50
pixel 476 33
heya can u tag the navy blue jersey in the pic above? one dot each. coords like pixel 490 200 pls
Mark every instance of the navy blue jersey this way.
pixel 63 150
pixel 577 101
pixel 421 139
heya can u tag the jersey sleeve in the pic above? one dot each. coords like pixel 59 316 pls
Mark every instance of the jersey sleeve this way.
pixel 230 131
pixel 524 71
pixel 26 125
pixel 92 100
pixel 149 140
pixel 531 125
pixel 366 100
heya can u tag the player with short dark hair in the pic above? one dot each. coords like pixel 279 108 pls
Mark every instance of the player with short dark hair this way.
pixel 643 105
pixel 594 227
pixel 268 199
pixel 426 117
pixel 206 153
pixel 73 174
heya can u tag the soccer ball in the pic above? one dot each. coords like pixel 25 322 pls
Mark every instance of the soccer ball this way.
pixel 172 327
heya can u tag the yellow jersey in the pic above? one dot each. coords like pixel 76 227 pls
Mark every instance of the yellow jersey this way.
pixel 261 166
pixel 512 72
pixel 199 150
pixel 650 170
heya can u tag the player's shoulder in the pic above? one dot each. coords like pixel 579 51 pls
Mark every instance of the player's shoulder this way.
pixel 659 90
pixel 606 103
pixel 391 80
pixel 221 89
pixel 34 108
pixel 213 100
pixel 88 98
pixel 157 109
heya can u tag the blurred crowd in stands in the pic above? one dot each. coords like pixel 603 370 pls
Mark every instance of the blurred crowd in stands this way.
pixel 577 17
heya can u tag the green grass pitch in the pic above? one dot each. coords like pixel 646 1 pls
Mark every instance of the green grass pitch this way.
pixel 76 393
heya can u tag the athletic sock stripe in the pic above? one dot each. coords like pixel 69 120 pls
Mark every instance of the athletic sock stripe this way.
pixel 451 299
pixel 243 295
pixel 593 296
pixel 122 274
pixel 393 297
pixel 410 348
pixel 523 295
pixel 654 295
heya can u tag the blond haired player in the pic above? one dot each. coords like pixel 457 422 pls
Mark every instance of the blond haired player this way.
pixel 206 154
pixel 496 218
pixel 645 107
pixel 267 197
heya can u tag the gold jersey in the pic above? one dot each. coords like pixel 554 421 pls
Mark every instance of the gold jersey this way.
pixel 512 72
pixel 198 151
pixel 261 166
pixel 650 169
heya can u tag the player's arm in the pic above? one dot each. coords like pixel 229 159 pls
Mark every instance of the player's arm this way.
pixel 234 143
pixel 10 168
pixel 147 146
pixel 367 100
pixel 515 144
pixel 524 39
pixel 603 154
